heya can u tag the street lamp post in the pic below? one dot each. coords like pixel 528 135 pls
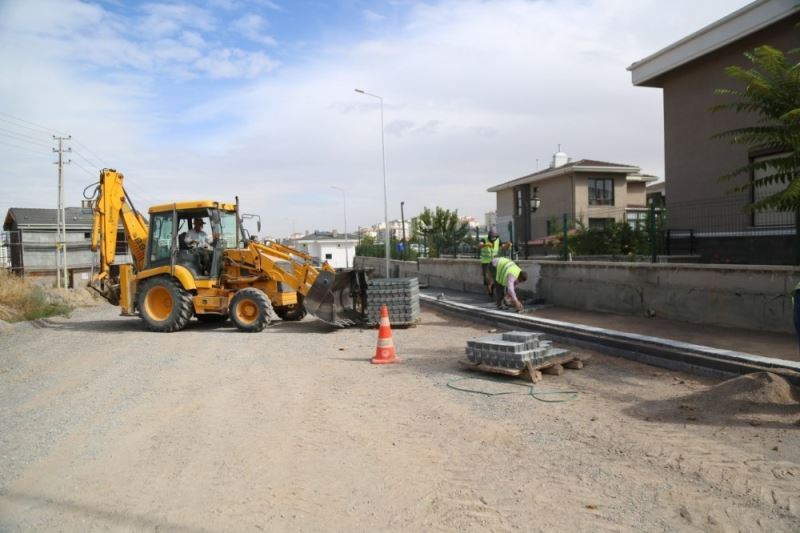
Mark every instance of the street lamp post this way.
pixel 346 241
pixel 403 222
pixel 385 196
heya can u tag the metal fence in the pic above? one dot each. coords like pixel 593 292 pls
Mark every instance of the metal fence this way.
pixel 705 231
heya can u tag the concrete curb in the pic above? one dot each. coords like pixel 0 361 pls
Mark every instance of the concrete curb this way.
pixel 666 353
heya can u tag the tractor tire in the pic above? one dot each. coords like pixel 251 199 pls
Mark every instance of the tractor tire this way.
pixel 293 313
pixel 164 305
pixel 208 318
pixel 250 310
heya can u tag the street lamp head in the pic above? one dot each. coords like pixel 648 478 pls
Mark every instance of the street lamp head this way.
pixel 359 91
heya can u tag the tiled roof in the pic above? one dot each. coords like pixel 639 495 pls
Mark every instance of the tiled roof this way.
pixel 28 217
pixel 581 164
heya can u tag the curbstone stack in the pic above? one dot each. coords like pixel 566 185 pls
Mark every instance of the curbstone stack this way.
pixel 401 296
pixel 511 350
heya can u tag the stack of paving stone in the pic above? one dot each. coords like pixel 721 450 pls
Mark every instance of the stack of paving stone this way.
pixel 401 296
pixel 511 350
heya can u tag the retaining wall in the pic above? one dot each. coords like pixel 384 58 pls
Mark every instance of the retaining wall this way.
pixel 738 296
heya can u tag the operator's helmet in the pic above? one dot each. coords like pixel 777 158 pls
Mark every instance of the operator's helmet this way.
pixel 199 221
pixel 492 234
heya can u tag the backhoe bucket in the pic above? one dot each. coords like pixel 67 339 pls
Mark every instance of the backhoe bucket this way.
pixel 106 289
pixel 338 299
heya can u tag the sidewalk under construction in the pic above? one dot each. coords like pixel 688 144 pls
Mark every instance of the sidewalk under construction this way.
pixel 667 343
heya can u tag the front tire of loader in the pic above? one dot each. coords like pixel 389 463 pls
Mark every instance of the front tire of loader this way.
pixel 164 305
pixel 293 313
pixel 250 310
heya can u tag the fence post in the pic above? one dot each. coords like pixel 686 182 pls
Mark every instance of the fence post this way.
pixel 566 245
pixel 797 237
pixel 653 243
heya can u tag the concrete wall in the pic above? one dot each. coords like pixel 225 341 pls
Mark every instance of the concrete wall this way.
pixel 750 297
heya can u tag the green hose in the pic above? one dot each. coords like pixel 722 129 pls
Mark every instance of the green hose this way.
pixel 531 390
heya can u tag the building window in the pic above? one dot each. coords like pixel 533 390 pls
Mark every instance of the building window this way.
pixel 599 224
pixel 601 191
pixel 636 219
pixel 519 203
pixel 328 256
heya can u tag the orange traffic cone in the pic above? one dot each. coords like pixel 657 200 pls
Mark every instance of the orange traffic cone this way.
pixel 385 353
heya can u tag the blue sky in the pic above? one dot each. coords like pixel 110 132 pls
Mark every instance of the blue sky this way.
pixel 217 98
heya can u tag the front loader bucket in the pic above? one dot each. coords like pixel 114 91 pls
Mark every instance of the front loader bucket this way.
pixel 106 289
pixel 338 299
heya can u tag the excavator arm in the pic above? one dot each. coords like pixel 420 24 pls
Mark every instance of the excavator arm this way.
pixel 110 204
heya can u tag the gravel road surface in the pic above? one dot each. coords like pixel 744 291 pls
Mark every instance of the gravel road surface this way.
pixel 106 426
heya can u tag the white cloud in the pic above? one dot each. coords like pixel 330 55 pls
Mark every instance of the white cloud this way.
pixel 252 26
pixel 234 63
pixel 372 16
pixel 474 93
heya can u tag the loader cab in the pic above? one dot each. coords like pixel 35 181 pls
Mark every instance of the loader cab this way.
pixel 169 225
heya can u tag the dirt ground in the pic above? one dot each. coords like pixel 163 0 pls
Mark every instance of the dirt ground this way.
pixel 106 426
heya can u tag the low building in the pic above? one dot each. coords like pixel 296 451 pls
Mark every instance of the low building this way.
pixel 31 237
pixel 588 192
pixel 337 249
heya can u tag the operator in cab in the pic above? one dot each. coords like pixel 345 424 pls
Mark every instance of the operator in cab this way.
pixel 197 240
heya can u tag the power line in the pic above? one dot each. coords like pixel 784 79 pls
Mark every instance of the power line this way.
pixel 23 135
pixel 21 140
pixel 89 172
pixel 24 148
pixel 43 129
pixel 91 153
pixel 84 158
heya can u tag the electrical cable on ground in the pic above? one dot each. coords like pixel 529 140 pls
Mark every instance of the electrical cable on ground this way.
pixel 531 392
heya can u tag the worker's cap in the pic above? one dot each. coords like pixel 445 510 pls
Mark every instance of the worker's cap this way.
pixel 198 221
pixel 492 233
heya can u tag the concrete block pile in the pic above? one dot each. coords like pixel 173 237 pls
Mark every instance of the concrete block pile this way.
pixel 511 350
pixel 401 296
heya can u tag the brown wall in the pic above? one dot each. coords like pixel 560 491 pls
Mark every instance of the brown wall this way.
pixel 556 196
pixel 637 194
pixel 693 160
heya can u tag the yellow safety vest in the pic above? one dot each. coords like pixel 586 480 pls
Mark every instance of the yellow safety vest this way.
pixel 506 266
pixel 489 252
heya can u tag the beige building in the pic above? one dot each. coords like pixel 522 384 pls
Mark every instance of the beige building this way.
pixel 591 192
pixel 688 72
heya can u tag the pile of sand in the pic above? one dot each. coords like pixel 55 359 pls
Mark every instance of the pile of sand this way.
pixel 757 393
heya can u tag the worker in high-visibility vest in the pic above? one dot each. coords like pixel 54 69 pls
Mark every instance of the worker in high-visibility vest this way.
pixel 506 279
pixel 490 248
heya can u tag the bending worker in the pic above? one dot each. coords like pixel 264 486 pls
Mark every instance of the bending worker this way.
pixel 507 277
pixel 490 248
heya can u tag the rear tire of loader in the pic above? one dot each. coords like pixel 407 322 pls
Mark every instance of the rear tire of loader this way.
pixel 251 310
pixel 293 313
pixel 164 305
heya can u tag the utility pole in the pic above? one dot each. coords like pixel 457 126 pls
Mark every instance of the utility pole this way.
pixel 61 218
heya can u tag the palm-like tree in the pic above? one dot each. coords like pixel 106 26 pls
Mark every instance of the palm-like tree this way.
pixel 772 93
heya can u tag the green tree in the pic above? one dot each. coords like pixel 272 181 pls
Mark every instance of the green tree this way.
pixel 771 92
pixel 442 229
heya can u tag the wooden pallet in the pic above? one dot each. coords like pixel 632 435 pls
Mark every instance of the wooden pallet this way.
pixel 554 367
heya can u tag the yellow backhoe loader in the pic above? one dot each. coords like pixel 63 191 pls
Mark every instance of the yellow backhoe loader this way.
pixel 213 277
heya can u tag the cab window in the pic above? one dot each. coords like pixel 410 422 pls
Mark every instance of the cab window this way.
pixel 228 227
pixel 161 232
